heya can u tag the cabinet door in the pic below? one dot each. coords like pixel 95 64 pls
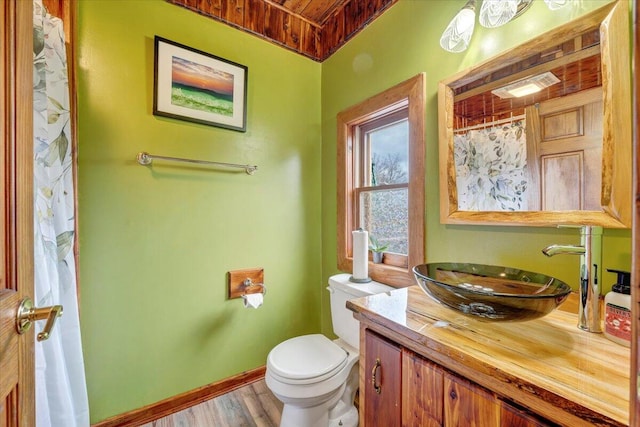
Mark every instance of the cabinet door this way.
pixel 422 391
pixel 468 405
pixel 514 417
pixel 381 381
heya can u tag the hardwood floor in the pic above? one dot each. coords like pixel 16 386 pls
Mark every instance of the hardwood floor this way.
pixel 252 405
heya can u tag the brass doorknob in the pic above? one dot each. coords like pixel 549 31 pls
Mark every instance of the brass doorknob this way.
pixel 27 314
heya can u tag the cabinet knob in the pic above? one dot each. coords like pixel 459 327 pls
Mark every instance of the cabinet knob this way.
pixel 374 379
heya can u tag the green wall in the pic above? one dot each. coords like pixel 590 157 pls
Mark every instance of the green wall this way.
pixel 156 243
pixel 403 42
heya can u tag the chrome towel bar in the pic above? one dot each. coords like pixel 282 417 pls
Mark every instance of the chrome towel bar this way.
pixel 146 159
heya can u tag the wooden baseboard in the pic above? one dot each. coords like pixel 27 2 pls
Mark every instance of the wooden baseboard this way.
pixel 182 401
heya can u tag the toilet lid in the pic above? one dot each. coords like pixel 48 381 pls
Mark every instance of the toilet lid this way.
pixel 306 357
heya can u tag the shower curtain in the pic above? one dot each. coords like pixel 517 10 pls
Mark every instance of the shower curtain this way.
pixel 491 168
pixel 61 393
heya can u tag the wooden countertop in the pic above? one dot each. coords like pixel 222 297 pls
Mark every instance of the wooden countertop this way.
pixel 548 365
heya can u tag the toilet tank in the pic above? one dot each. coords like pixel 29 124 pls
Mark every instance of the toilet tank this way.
pixel 341 290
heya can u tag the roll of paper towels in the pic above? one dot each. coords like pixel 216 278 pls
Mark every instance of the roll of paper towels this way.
pixel 252 300
pixel 360 254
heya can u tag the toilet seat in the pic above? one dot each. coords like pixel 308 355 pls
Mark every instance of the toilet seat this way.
pixel 306 359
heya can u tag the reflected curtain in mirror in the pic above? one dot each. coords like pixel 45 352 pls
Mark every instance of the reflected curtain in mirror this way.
pixel 490 167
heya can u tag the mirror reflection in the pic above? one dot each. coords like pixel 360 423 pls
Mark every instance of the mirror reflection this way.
pixel 533 143
pixel 533 132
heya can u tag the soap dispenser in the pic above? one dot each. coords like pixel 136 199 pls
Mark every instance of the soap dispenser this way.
pixel 617 303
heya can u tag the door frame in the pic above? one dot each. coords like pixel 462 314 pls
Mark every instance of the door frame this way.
pixel 634 392
pixel 16 130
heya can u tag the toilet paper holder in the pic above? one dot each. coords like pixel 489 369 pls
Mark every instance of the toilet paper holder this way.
pixel 248 284
pixel 245 282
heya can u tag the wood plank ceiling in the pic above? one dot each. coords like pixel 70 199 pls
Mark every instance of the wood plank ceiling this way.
pixel 313 28
pixel 575 62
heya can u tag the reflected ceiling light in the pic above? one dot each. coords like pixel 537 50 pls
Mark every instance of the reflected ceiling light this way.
pixel 526 86
pixel 495 13
pixel 458 33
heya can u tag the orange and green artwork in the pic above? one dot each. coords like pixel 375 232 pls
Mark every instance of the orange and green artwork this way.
pixel 200 87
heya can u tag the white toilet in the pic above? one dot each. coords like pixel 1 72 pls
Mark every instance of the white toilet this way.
pixel 317 378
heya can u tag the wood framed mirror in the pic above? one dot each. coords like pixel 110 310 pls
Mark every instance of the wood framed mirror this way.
pixel 587 181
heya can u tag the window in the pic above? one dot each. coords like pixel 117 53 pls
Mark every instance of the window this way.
pixel 381 185
pixel 381 177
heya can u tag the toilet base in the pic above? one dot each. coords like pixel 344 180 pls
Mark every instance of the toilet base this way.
pixel 344 412
pixel 318 416
pixel 348 419
pixel 337 411
pixel 296 415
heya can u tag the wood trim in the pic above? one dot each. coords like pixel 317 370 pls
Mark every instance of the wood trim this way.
pixel 263 19
pixel 23 209
pixel 182 401
pixel 617 146
pixel 411 93
pixel 280 25
pixel 538 69
pixel 540 43
pixel 343 25
pixel 634 396
pixel 294 14
pixel 16 131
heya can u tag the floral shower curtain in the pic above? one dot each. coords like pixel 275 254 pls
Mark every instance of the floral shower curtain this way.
pixel 61 393
pixel 491 168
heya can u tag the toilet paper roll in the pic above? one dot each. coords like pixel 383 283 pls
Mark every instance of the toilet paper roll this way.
pixel 252 300
pixel 360 252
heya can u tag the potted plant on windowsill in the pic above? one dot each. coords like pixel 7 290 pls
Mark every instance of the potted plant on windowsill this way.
pixel 377 250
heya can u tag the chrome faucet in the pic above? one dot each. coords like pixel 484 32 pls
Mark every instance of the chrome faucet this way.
pixel 590 251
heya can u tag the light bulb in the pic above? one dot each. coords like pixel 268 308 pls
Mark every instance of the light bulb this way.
pixel 457 35
pixel 495 13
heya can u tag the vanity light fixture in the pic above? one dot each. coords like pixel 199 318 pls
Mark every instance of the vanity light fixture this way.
pixel 493 13
pixel 457 35
pixel 526 86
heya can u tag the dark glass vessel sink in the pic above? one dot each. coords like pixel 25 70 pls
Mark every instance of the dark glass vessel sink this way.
pixel 491 293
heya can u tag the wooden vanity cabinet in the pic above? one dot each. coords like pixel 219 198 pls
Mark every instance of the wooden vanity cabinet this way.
pixel 382 381
pixel 468 405
pixel 422 391
pixel 514 417
pixel 403 388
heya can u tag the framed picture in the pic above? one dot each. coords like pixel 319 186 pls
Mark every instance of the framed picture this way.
pixel 198 87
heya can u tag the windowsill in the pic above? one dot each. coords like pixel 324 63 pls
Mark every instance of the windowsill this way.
pixel 391 275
